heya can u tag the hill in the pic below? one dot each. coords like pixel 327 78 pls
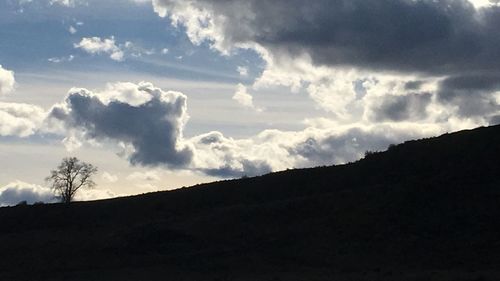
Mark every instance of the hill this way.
pixel 423 210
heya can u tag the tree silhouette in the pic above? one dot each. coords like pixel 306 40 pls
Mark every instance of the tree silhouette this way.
pixel 71 175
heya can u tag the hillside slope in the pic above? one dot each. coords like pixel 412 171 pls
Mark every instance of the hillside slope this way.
pixel 423 210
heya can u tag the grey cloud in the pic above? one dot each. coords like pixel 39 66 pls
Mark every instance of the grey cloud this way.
pixel 248 168
pixel 276 150
pixel 227 158
pixel 153 128
pixel 426 36
pixel 472 94
pixel 476 82
pixel 16 192
pixel 413 85
pixel 401 108
pixel 211 138
pixel 495 120
pixel 342 148
pixel 423 38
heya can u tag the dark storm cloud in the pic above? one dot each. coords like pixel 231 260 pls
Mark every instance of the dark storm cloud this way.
pixel 401 108
pixel 152 128
pixel 446 36
pixel 473 94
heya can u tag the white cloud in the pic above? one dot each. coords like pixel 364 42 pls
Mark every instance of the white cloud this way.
pixel 18 191
pixel 125 92
pixel 96 45
pixel 72 29
pixel 164 51
pixel 484 3
pixel 94 194
pixel 61 59
pixel 7 81
pixel 66 3
pixel 243 97
pixel 242 70
pixel 109 177
pixel 324 142
pixel 144 176
pixel 72 142
pixel 115 50
pixel 137 51
pixel 19 119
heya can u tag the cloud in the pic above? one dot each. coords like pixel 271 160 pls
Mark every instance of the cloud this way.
pixel 145 176
pixel 242 70
pixel 96 45
pixel 413 85
pixel 495 120
pixel 137 51
pixel 327 47
pixel 66 3
pixel 404 107
pixel 472 94
pixel 61 59
pixel 323 143
pixel 219 156
pixel 243 97
pixel 7 81
pixel 431 36
pixel 94 194
pixel 23 2
pixel 18 191
pixel 19 119
pixel 116 51
pixel 109 177
pixel 72 29
pixel 146 124
pixel 484 3
pixel 146 120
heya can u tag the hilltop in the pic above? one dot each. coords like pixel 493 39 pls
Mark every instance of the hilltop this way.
pixel 423 210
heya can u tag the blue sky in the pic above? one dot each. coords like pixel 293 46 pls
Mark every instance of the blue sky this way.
pixel 164 93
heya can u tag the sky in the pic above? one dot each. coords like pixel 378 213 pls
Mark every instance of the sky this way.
pixel 161 94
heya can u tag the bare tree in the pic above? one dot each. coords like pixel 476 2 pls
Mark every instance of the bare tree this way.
pixel 71 175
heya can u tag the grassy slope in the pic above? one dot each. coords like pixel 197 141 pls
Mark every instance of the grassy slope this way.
pixel 424 210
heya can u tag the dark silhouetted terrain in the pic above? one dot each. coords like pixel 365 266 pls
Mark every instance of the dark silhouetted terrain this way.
pixel 423 210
